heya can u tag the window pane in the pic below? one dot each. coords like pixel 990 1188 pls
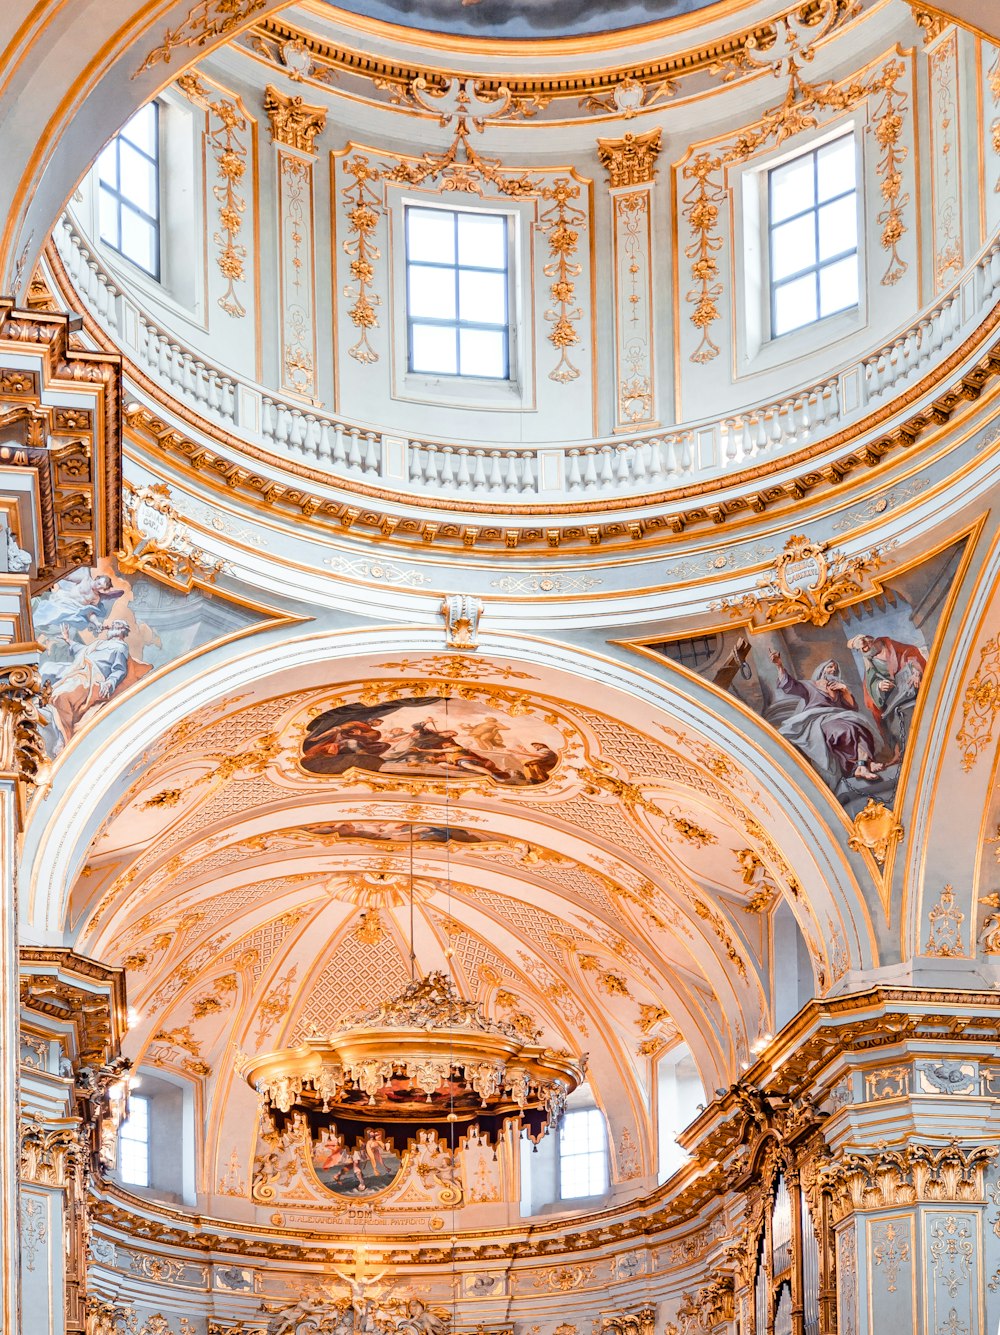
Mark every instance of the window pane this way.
pixel 432 293
pixel 838 286
pixel 141 130
pixel 138 180
pixel 792 188
pixel 483 353
pixel 482 240
pixel 138 240
pixel 133 1144
pixel 109 219
pixel 430 235
pixel 836 167
pixel 793 247
pixel 838 227
pixel 482 297
pixel 795 304
pixel 433 349
pixel 107 165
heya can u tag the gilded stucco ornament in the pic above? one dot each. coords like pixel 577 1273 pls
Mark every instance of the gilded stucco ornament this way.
pixel 876 831
pixel 630 160
pixel 227 140
pixel 945 920
pixel 808 582
pixel 461 613
pixel 155 541
pixel 293 121
pixel 980 704
pixel 22 698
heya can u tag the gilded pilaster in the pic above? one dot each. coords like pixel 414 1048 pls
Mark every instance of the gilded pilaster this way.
pixel 631 167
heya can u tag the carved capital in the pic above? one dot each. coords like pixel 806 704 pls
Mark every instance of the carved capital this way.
pixel 22 752
pixel 293 122
pixel 929 21
pixel 887 1178
pixel 51 1156
pixel 630 160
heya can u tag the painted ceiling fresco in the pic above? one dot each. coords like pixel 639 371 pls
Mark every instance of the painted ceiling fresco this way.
pixel 432 736
pixel 103 631
pixel 843 695
pixel 522 18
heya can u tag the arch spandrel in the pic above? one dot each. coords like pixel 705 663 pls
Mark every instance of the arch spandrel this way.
pixel 947 873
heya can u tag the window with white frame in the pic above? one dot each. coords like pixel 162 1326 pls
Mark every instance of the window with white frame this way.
pixel 812 224
pixel 128 176
pixel 458 293
pixel 133 1143
pixel 583 1155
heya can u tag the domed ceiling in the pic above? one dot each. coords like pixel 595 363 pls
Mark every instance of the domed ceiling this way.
pixel 524 18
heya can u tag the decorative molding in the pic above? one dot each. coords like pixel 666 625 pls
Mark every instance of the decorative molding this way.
pixel 364 209
pixel 701 205
pixel 989 933
pixel 207 23
pixel 630 160
pixel 601 91
pixel 642 1322
pixel 876 831
pixel 629 1163
pixel 561 224
pixel 945 920
pixel 889 1251
pixel 946 181
pixel 630 96
pixel 980 705
pixel 22 698
pixel 231 159
pixel 931 24
pixel 885 1178
pixel 808 582
pixel 293 122
pixel 52 1156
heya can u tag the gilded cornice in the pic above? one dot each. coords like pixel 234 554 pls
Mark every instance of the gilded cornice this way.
pixel 724 59
pixel 56 982
pixel 84 467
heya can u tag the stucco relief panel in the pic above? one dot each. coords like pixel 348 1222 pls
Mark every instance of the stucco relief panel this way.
pixel 953 1283
pixel 891 1270
pixel 298 277
pixel 945 141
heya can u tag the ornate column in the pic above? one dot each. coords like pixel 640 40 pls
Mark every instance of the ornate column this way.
pixel 631 167
pixel 911 1227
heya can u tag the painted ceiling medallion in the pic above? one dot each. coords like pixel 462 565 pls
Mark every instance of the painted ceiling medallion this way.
pixel 423 1060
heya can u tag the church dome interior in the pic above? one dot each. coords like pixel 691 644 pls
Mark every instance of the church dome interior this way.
pixel 501 666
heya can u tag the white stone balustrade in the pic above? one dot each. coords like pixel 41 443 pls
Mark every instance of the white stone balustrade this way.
pixel 693 451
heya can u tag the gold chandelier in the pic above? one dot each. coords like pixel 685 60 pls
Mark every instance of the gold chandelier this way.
pixel 425 1058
